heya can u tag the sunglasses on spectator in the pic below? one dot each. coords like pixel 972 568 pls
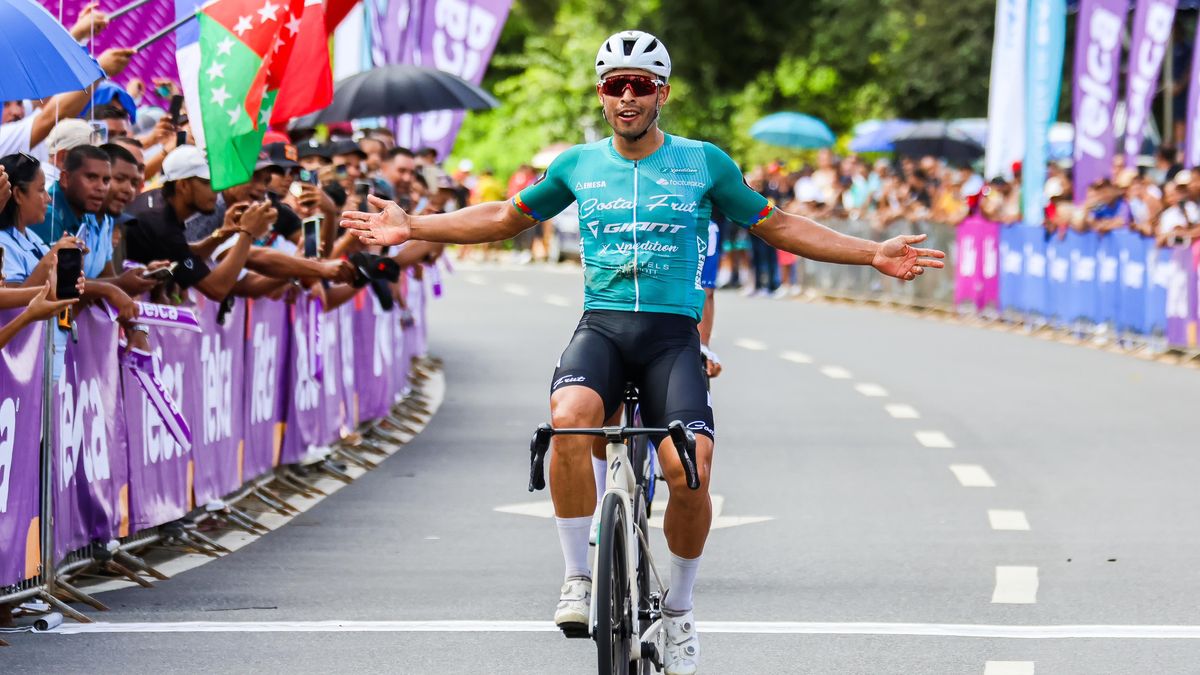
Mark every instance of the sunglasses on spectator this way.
pixel 640 84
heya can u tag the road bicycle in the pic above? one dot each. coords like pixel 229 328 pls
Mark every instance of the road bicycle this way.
pixel 626 611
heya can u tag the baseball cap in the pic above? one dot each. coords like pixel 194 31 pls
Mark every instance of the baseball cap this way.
pixel 346 147
pixel 186 161
pixel 282 155
pixel 313 148
pixel 68 135
pixel 1183 177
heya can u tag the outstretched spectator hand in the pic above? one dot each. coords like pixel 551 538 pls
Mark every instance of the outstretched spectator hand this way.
pixel 40 307
pixel 90 23
pixel 258 219
pixel 114 61
pixel 5 188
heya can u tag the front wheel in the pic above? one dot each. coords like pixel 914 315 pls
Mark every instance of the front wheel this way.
pixel 614 607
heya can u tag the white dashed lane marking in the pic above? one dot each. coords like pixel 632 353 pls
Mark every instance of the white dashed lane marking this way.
pixel 516 289
pixel 871 390
pixel 795 357
pixel 902 411
pixel 1008 668
pixel 972 475
pixel 1008 520
pixel 933 439
pixel 751 344
pixel 557 301
pixel 1015 585
pixel 836 373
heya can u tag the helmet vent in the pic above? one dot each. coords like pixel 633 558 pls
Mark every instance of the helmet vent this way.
pixel 628 45
pixel 653 46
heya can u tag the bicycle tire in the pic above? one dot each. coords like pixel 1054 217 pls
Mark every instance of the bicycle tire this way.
pixel 643 666
pixel 614 608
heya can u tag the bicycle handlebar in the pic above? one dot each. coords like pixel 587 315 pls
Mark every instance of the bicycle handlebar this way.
pixel 681 437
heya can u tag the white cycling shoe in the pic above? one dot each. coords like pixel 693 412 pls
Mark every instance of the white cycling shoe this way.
pixel 682 644
pixel 574 606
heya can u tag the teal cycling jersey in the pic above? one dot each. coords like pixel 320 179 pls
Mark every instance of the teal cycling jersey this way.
pixel 643 224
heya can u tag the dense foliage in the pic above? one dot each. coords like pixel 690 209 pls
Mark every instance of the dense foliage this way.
pixel 843 61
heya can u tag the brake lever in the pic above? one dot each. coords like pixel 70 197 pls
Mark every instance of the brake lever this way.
pixel 685 444
pixel 538 447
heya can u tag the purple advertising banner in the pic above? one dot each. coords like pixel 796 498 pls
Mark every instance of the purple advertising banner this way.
pixel 305 424
pixel 156 60
pixel 1151 33
pixel 160 470
pixel 265 386
pixel 1180 289
pixel 20 440
pixel 90 466
pixel 344 316
pixel 218 429
pixel 373 360
pixel 333 403
pixel 1191 144
pixel 456 36
pixel 1097 61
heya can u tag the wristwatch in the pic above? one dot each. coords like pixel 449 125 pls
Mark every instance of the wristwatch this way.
pixel 140 328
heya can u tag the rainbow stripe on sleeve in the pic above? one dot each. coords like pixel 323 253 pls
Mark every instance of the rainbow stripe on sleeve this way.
pixel 763 215
pixel 524 208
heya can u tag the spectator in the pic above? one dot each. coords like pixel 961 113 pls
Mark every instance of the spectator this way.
pixel 398 170
pixel 65 137
pixel 115 118
pixel 75 201
pixel 157 233
pixel 1109 211
pixel 1179 215
pixel 313 155
pixel 348 161
pixel 126 183
pixel 38 303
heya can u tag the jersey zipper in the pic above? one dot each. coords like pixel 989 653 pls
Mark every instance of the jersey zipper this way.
pixel 637 294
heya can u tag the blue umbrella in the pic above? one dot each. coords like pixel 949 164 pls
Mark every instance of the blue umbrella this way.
pixel 38 56
pixel 792 130
pixel 877 135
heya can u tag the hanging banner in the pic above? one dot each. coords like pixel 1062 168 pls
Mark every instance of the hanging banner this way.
pixel 1108 272
pixel 160 469
pixel 1191 143
pixel 218 430
pixel 456 36
pixel 1047 35
pixel 1097 62
pixel 1152 21
pixel 20 439
pixel 91 492
pixel 265 385
pixel 1006 91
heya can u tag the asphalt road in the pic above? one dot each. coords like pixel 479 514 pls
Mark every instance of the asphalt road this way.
pixel 881 554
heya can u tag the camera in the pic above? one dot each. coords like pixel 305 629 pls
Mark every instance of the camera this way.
pixel 378 271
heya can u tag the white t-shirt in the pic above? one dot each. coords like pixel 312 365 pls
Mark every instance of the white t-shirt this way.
pixel 1173 217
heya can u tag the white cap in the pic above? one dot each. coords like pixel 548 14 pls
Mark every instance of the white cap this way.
pixel 186 161
pixel 68 134
pixel 466 165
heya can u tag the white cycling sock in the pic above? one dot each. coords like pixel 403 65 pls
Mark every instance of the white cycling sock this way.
pixel 573 537
pixel 600 468
pixel 683 578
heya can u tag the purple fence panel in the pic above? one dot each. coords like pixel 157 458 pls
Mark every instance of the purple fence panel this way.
pixel 218 430
pixel 266 385
pixel 20 452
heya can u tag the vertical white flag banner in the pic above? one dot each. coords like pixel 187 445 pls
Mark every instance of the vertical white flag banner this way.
pixel 1006 99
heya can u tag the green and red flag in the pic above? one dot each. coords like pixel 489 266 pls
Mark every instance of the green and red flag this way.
pixel 244 49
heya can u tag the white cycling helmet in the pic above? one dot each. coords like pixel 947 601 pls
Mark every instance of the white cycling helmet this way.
pixel 633 49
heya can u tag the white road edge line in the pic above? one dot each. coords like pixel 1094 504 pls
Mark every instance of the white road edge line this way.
pixel 871 390
pixel 1023 632
pixel 795 357
pixel 836 373
pixel 972 475
pixel 1015 585
pixel 1008 668
pixel 1002 519
pixel 751 344
pixel 902 411
pixel 933 439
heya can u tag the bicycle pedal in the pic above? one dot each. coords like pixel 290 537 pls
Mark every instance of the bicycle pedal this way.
pixel 650 653
pixel 575 630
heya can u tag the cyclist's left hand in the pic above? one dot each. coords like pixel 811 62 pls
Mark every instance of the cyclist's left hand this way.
pixel 897 258
pixel 714 368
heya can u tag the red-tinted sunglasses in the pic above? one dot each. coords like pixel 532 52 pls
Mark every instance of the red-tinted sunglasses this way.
pixel 640 84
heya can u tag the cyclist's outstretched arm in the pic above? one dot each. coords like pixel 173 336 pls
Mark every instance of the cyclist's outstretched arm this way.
pixel 895 257
pixel 490 221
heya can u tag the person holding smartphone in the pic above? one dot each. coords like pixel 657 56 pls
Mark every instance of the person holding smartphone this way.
pixel 39 303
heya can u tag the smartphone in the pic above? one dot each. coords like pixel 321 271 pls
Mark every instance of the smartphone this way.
pixel 362 188
pixel 162 90
pixel 70 266
pixel 175 110
pixel 99 132
pixel 296 189
pixel 309 177
pixel 312 236
pixel 162 273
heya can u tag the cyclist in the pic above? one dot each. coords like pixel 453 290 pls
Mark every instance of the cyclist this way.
pixel 644 203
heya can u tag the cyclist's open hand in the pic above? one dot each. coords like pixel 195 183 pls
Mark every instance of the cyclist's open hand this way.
pixel 897 258
pixel 386 228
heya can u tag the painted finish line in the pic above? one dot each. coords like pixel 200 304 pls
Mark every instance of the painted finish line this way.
pixel 742 627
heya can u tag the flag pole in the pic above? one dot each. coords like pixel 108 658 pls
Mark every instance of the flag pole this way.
pixel 126 9
pixel 162 33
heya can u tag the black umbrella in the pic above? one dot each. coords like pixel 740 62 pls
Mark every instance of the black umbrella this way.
pixel 398 89
pixel 938 138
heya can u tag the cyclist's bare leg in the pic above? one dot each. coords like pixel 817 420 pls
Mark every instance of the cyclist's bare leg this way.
pixel 572 483
pixel 689 512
